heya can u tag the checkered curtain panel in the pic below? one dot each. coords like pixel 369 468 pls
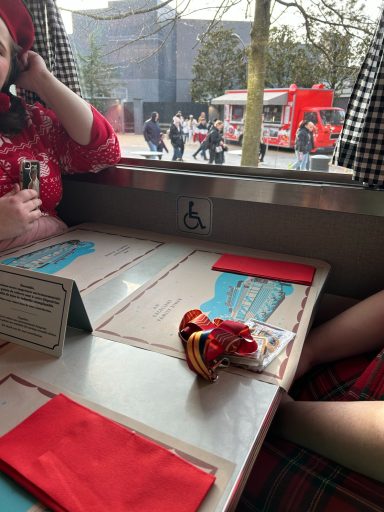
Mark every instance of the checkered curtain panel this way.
pixel 51 42
pixel 361 144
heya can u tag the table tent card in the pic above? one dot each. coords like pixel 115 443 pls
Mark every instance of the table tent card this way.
pixel 36 309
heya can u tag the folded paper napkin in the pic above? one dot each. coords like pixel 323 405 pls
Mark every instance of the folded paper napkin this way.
pixel 207 343
pixel 75 460
pixel 270 269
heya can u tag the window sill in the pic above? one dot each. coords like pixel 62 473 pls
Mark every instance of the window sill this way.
pixel 316 190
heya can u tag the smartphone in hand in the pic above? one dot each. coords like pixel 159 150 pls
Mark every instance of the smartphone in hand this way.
pixel 30 175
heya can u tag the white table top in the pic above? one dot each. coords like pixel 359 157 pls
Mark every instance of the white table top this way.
pixel 228 418
pixel 224 418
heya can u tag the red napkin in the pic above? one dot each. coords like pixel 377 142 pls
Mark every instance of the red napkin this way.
pixel 75 460
pixel 270 269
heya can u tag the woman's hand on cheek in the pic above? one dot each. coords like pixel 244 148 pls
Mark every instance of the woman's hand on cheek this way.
pixel 32 71
pixel 19 209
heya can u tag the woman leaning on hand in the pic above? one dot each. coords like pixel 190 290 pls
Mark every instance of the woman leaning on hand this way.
pixel 68 135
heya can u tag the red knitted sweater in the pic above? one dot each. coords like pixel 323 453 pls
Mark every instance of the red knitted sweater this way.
pixel 45 139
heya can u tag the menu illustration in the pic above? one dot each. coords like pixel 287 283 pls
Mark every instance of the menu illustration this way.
pixel 153 313
pixel 90 256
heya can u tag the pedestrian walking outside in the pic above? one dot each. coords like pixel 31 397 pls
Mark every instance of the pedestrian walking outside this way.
pixel 202 138
pixel 263 146
pixel 216 143
pixel 185 128
pixel 192 123
pixel 177 141
pixel 162 146
pixel 202 148
pixel 151 132
pixel 303 145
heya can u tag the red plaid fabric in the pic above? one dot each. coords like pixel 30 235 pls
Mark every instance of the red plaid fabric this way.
pixel 288 478
pixel 331 382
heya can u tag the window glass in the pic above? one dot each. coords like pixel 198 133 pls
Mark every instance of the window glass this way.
pixel 237 112
pixel 335 117
pixel 188 61
pixel 272 114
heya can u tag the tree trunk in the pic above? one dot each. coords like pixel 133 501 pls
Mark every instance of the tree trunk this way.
pixel 256 80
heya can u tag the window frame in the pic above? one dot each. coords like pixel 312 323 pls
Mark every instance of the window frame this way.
pixel 319 190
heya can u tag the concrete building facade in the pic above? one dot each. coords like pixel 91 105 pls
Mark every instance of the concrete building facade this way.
pixel 151 53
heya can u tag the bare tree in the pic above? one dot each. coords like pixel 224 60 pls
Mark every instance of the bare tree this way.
pixel 316 16
pixel 257 54
pixel 219 65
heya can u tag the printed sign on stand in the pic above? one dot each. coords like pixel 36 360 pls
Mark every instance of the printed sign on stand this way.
pixel 36 308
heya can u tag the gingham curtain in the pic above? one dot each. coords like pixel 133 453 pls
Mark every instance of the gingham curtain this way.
pixel 51 42
pixel 361 143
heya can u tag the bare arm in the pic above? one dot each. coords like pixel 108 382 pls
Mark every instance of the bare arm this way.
pixel 350 433
pixel 73 112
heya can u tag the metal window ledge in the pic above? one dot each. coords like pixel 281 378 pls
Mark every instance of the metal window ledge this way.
pixel 316 190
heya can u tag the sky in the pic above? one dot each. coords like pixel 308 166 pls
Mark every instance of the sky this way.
pixel 238 12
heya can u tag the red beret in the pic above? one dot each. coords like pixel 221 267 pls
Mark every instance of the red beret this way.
pixel 19 22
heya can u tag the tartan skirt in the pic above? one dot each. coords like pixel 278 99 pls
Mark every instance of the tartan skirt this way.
pixel 289 478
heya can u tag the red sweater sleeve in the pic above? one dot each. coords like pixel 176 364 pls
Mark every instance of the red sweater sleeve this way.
pixel 102 151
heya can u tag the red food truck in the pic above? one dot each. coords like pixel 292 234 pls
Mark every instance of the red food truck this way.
pixel 284 109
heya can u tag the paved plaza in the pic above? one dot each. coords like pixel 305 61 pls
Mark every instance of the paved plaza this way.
pixel 275 158
pixel 131 143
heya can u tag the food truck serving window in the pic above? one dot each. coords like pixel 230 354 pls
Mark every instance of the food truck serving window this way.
pixel 237 112
pixel 272 113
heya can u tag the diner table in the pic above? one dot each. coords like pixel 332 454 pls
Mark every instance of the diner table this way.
pixel 222 423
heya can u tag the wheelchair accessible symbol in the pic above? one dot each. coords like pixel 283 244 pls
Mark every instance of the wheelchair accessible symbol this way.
pixel 192 219
pixel 194 215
